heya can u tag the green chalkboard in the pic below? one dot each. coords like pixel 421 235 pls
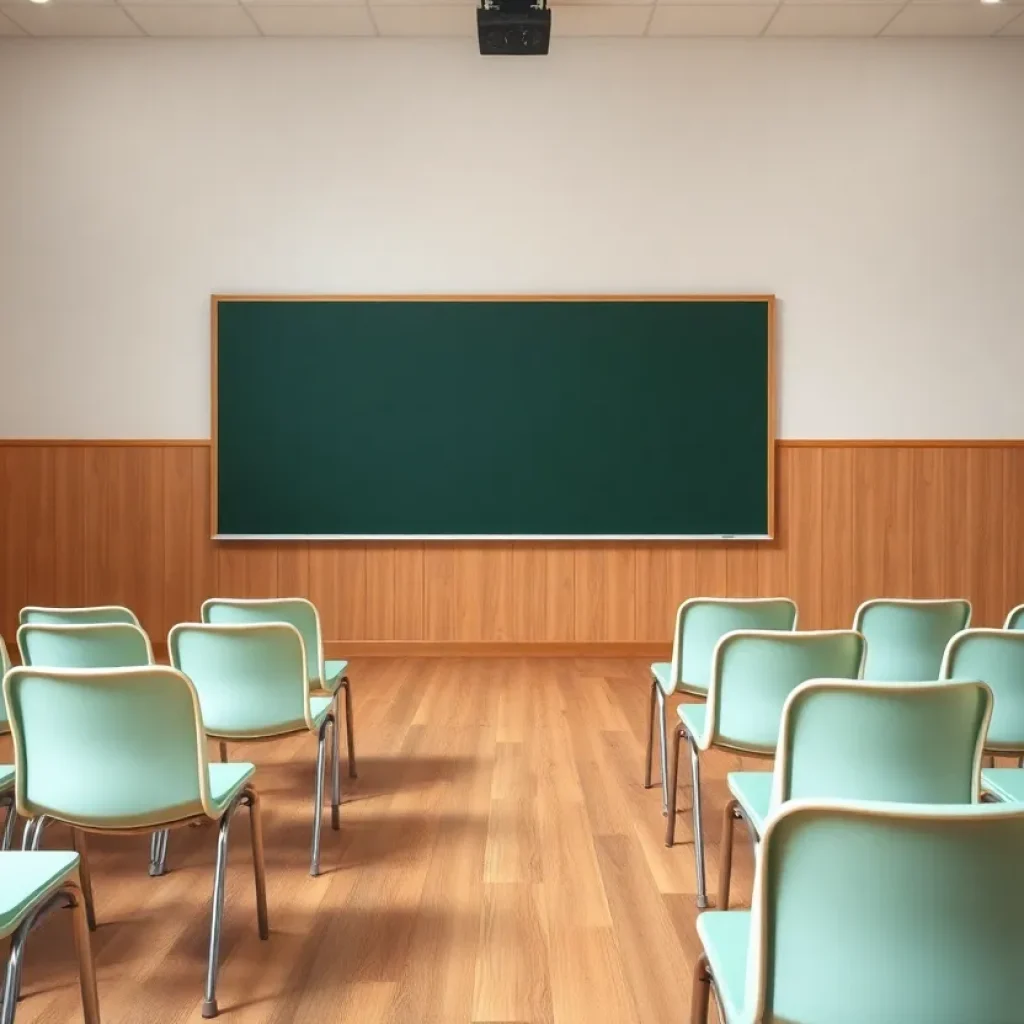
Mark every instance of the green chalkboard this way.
pixel 535 418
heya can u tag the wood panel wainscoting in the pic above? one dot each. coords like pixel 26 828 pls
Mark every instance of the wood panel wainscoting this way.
pixel 127 522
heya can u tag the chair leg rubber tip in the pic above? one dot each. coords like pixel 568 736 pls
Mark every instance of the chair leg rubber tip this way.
pixel 154 871
pixel 314 872
pixel 352 773
pixel 335 819
pixel 209 1008
pixel 702 903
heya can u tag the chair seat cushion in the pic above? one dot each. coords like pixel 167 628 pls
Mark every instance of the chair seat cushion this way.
pixel 334 672
pixel 26 879
pixel 753 792
pixel 227 780
pixel 725 935
pixel 1006 784
pixel 6 777
pixel 694 717
pixel 662 672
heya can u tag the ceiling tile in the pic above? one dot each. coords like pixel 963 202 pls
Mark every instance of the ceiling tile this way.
pixel 421 20
pixel 8 28
pixel 471 4
pixel 1015 27
pixel 599 20
pixel 192 20
pixel 173 3
pixel 321 20
pixel 931 19
pixel 72 20
pixel 834 19
pixel 707 20
pixel 303 3
pixel 61 3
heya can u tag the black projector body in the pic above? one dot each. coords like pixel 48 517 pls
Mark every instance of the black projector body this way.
pixel 510 27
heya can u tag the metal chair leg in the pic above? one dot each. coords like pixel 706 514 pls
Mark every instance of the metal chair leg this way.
pixel 9 825
pixel 335 772
pixel 83 947
pixel 350 729
pixel 210 1000
pixel 649 756
pixel 318 796
pixel 158 853
pixel 251 798
pixel 698 828
pixel 701 991
pixel 673 784
pixel 12 978
pixel 663 727
pixel 725 854
pixel 79 842
pixel 33 834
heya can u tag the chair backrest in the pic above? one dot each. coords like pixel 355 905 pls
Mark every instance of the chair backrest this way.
pixel 97 645
pixel 302 614
pixel 702 621
pixel 1015 620
pixel 107 747
pixel 996 657
pixel 99 614
pixel 251 679
pixel 5 667
pixel 906 639
pixel 915 743
pixel 753 673
pixel 888 912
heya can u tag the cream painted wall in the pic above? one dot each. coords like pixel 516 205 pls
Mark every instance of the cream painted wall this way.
pixel 876 187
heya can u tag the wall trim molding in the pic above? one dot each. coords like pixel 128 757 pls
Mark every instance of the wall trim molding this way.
pixel 782 442
pixel 493 649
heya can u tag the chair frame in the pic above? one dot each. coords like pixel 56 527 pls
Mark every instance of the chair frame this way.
pixel 71 896
pixel 733 811
pixel 659 700
pixel 246 796
pixel 329 725
pixel 681 732
pixel 1012 614
pixel 343 684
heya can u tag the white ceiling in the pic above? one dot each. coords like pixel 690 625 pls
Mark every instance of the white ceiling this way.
pixel 742 18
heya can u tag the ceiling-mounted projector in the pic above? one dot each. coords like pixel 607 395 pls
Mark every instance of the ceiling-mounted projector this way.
pixel 513 27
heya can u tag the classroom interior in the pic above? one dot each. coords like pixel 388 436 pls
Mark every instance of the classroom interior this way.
pixel 521 773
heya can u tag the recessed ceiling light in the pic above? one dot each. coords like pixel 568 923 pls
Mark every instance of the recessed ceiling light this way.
pixel 983 1
pixel 47 1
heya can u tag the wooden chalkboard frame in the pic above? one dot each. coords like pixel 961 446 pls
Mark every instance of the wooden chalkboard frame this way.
pixel 217 299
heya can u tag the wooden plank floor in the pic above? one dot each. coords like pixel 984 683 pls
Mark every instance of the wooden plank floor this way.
pixel 498 861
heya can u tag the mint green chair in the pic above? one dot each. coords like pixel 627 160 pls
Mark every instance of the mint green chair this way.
pixel 6 770
pixel 252 685
pixel 700 623
pixel 1015 620
pixel 92 645
pixel 79 644
pixel 915 743
pixel 996 657
pixel 324 676
pixel 906 639
pixel 123 751
pixel 753 672
pixel 874 914
pixel 31 886
pixel 94 615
